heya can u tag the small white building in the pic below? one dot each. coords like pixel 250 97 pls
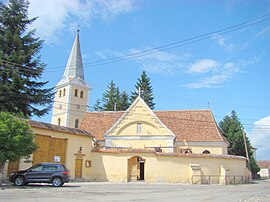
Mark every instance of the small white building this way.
pixel 265 168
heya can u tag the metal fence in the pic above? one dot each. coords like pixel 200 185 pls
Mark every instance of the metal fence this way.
pixel 220 179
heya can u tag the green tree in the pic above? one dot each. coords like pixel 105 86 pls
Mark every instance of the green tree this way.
pixel 233 132
pixel 144 85
pixel 97 106
pixel 20 63
pixel 112 99
pixel 16 140
pixel 124 101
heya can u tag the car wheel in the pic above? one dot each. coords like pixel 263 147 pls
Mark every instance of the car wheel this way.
pixel 57 182
pixel 19 181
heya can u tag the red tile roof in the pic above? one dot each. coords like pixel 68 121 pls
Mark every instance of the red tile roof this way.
pixel 263 164
pixel 53 127
pixel 188 125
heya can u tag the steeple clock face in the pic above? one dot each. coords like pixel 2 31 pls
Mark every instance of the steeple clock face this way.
pixel 78 107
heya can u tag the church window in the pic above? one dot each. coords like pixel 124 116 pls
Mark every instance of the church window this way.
pixel 206 152
pixel 64 92
pixel 77 123
pixel 76 93
pixel 60 93
pixel 139 127
pixel 81 94
pixel 59 121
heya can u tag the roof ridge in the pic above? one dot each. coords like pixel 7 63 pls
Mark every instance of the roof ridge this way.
pixel 182 110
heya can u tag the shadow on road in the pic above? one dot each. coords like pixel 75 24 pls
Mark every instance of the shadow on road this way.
pixel 37 186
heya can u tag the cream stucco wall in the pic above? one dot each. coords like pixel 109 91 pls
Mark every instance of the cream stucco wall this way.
pixel 199 147
pixel 166 143
pixel 68 107
pixel 165 168
pixel 79 106
pixel 74 142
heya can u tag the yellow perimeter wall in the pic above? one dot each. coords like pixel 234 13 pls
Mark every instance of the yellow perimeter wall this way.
pixel 114 168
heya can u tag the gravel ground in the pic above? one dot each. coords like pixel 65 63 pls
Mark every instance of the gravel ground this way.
pixel 259 191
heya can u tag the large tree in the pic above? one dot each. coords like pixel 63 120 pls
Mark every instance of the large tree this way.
pixel 16 140
pixel 146 91
pixel 233 131
pixel 20 63
pixel 112 99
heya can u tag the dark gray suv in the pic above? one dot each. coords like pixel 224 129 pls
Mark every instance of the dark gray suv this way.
pixel 54 173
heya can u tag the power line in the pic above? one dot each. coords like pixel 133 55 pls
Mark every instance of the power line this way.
pixel 173 45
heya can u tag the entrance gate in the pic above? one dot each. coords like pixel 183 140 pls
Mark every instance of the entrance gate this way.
pixel 49 149
pixel 136 168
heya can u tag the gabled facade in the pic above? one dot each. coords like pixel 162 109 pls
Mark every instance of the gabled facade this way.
pixel 184 131
pixel 139 128
pixel 72 92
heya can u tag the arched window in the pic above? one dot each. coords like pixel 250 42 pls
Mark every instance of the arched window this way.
pixel 59 122
pixel 64 92
pixel 76 93
pixel 206 152
pixel 77 123
pixel 81 94
pixel 60 93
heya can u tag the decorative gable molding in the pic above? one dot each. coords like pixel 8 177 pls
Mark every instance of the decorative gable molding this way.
pixel 132 116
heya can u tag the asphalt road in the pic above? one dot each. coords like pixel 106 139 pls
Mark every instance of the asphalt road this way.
pixel 138 191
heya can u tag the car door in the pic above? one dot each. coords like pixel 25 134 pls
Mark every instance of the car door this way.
pixel 48 172
pixel 33 173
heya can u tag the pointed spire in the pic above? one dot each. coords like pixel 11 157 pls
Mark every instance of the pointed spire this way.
pixel 74 67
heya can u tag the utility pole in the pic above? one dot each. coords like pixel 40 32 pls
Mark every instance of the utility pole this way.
pixel 245 142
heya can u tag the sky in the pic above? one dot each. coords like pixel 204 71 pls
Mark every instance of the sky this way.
pixel 223 71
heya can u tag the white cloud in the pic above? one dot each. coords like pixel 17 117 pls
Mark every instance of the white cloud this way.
pixel 56 15
pixel 203 66
pixel 218 76
pixel 157 62
pixel 160 61
pixel 260 137
pixel 222 42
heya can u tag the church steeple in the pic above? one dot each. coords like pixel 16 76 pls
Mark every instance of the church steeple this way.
pixel 71 97
pixel 74 66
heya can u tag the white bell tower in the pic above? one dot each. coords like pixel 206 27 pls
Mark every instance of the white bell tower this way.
pixel 71 96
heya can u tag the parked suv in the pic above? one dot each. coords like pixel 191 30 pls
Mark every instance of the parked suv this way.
pixel 54 173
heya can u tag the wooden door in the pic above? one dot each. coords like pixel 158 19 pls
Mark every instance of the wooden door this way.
pixel 78 168
pixel 13 166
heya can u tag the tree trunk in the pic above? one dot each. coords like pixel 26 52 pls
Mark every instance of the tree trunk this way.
pixel 2 165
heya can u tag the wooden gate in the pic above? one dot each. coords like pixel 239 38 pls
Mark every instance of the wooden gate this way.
pixel 49 149
pixel 13 166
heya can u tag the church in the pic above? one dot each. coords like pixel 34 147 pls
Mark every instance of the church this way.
pixel 139 144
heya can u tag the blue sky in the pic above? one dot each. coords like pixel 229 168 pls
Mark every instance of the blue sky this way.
pixel 228 71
